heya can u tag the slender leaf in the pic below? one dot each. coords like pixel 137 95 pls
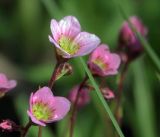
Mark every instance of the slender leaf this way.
pixel 101 98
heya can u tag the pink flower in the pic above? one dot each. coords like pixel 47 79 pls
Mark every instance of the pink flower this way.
pixel 5 84
pixel 84 97
pixel 69 40
pixel 127 39
pixel 102 62
pixel 107 93
pixel 46 108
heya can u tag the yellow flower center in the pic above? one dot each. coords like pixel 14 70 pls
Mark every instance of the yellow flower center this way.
pixel 67 45
pixel 100 63
pixel 42 111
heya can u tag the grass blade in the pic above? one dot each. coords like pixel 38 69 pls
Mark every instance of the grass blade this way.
pixel 153 56
pixel 101 98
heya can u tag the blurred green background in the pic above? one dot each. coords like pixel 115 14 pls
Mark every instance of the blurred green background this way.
pixel 27 55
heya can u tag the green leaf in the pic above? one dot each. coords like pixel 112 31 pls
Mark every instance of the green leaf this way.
pixel 101 98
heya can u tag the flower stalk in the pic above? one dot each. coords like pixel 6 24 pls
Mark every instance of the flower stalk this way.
pixel 74 109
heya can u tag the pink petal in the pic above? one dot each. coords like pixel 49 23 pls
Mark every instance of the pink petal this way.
pixel 34 120
pixel 87 42
pixel 115 61
pixel 65 54
pixel 43 94
pixel 55 29
pixel 99 51
pixel 61 106
pixel 12 83
pixel 3 78
pixel 69 26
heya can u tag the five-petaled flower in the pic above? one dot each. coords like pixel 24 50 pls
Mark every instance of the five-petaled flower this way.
pixel 47 108
pixel 69 40
pixel 5 84
pixel 102 62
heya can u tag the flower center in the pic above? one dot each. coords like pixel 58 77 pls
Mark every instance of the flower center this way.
pixel 99 62
pixel 42 111
pixel 68 45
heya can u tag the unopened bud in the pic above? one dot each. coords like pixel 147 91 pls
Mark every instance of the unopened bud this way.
pixel 107 93
pixel 9 126
pixel 63 70
pixel 84 97
pixel 128 42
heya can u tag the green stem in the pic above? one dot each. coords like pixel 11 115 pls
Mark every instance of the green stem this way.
pixel 101 98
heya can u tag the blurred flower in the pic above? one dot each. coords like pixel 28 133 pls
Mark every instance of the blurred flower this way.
pixel 5 84
pixel 69 40
pixel 84 97
pixel 107 93
pixel 46 108
pixel 102 62
pixel 127 39
pixel 9 126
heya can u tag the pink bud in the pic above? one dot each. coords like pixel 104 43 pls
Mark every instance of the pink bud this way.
pixel 84 97
pixel 9 126
pixel 127 39
pixel 107 93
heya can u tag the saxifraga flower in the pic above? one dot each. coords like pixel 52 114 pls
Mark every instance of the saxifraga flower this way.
pixel 47 108
pixel 69 40
pixel 102 62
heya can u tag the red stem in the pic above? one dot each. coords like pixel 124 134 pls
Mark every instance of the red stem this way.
pixel 120 89
pixel 73 115
pixel 26 128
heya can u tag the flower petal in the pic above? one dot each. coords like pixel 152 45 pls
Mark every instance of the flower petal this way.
pixel 34 120
pixel 87 42
pixel 63 52
pixel 44 94
pixel 69 26
pixel 55 29
pixel 61 107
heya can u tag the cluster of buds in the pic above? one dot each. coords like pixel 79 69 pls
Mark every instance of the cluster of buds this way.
pixel 129 45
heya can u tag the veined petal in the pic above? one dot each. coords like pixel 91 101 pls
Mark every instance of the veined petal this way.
pixel 115 63
pixel 61 107
pixel 60 50
pixel 43 94
pixel 69 26
pixel 87 42
pixel 55 29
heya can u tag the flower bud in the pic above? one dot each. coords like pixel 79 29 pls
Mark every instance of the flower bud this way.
pixel 9 126
pixel 84 97
pixel 63 70
pixel 107 93
pixel 128 42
